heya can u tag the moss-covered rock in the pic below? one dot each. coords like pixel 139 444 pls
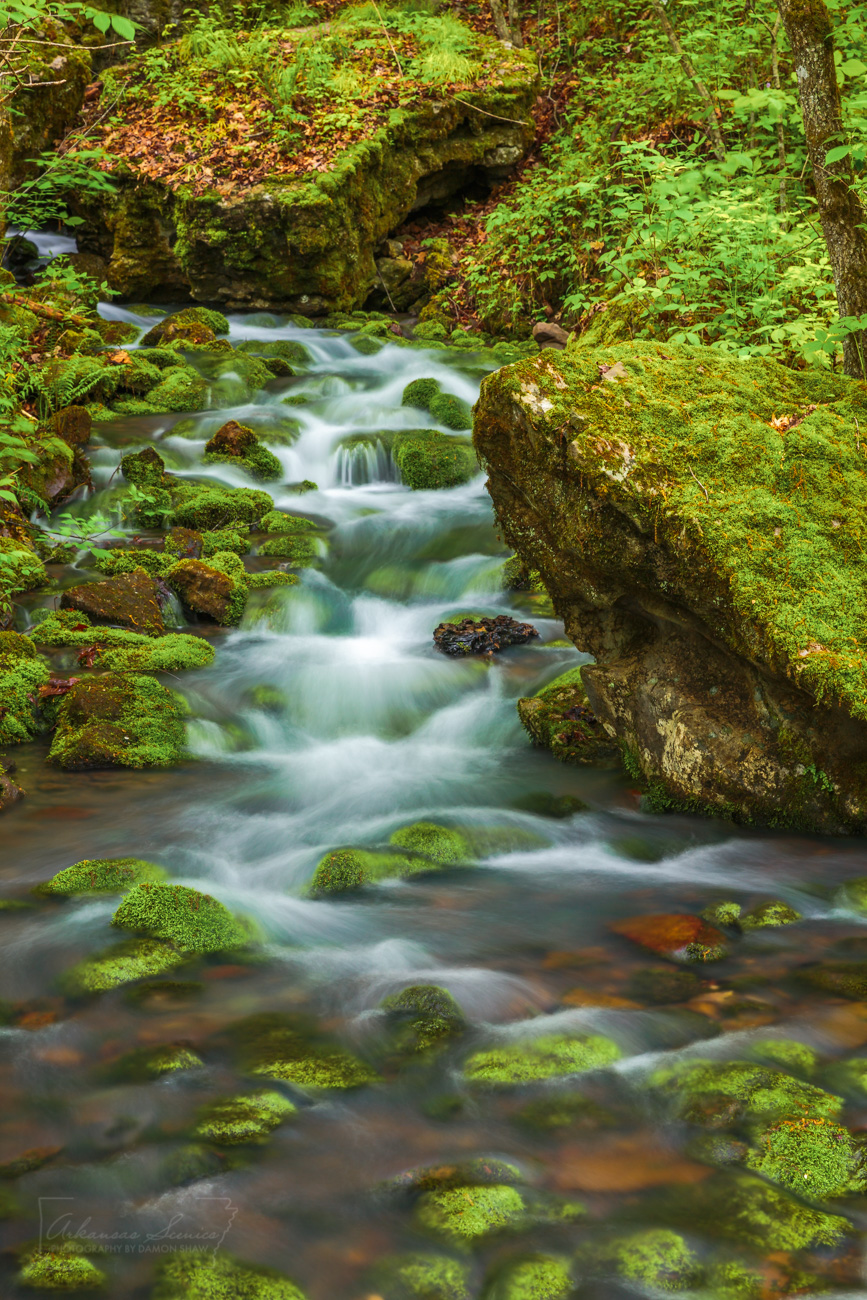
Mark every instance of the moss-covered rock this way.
pixel 21 569
pixel 530 1277
pixel 559 718
pixel 442 844
pixel 467 1216
pixel 546 1057
pixel 429 459
pixel 347 869
pixel 743 1209
pixel 288 1048
pixel 679 507
pixel 122 964
pixel 711 1092
pixel 235 443
pixel 206 589
pixel 420 393
pixel 116 561
pixel 421 1019
pixel 59 1270
pixel 810 1155
pixel 173 653
pixel 144 1063
pixel 769 915
pixel 654 1257
pixel 193 922
pixel 22 673
pixel 191 325
pixel 205 506
pixel 101 876
pixel 130 601
pixel 214 1276
pixel 248 1118
pixel 451 411
pixel 299 548
pixel 420 1277
pixel 119 720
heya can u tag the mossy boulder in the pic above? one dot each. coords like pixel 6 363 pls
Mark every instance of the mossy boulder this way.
pixel 810 1155
pixel 467 1216
pixel 193 325
pixel 206 506
pixel 130 600
pixel 559 718
pixel 549 1056
pixel 749 1212
pixel 421 1019
pixel 145 1063
pixel 208 590
pixel 124 963
pixel 277 521
pixel 101 876
pixel 420 393
pixel 21 569
pixel 173 653
pixel 428 459
pixel 348 869
pixel 60 1270
pixel 22 673
pixel 769 916
pixel 441 844
pixel 116 561
pixel 530 1277
pixel 654 1257
pixel 292 1050
pixel 449 410
pixel 420 1277
pixel 215 1276
pixel 715 1092
pixel 299 548
pixel 681 509
pixel 192 921
pixel 235 443
pixel 248 1118
pixel 119 720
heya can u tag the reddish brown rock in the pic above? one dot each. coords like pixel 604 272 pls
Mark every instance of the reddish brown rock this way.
pixel 676 935
pixel 232 439
pixel 207 591
pixel 129 601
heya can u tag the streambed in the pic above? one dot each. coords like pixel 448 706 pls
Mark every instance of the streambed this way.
pixel 368 729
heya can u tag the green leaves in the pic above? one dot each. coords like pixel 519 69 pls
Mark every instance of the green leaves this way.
pixel 103 22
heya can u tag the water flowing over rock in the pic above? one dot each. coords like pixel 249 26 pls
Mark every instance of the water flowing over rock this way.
pixel 677 506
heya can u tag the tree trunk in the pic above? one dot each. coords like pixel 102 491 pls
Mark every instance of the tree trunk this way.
pixel 515 25
pixel 841 212
pixel 688 66
pixel 501 27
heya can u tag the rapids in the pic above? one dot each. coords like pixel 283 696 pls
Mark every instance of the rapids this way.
pixel 373 730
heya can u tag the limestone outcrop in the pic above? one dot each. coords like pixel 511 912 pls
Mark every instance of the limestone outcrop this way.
pixel 699 523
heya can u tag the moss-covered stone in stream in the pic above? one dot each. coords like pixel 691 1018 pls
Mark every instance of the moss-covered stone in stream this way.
pixel 297 547
pixel 237 444
pixel 853 895
pixel 420 1277
pixel 22 673
pixel 236 540
pixel 290 350
pixel 209 590
pixel 683 515
pixel 467 1216
pixel 530 1277
pixel 421 1019
pixel 192 921
pixel 101 876
pixel 20 567
pixel 120 650
pixel 451 411
pixel 122 964
pixel 180 326
pixel 428 459
pixel 347 869
pixel 654 1257
pixel 60 1270
pixel 547 1057
pixel 144 1063
pixel 116 561
pixel 214 1276
pixel 749 1212
pixel 765 916
pixel 420 393
pixel 706 1092
pixel 559 718
pixel 786 1054
pixel 442 844
pixel 288 1048
pixel 276 521
pixel 810 1155
pixel 205 506
pixel 119 720
pixel 248 1118
pixel 129 601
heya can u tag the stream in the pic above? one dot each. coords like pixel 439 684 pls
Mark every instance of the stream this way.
pixel 367 728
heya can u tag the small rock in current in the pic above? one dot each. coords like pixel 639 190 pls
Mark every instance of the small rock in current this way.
pixel 481 636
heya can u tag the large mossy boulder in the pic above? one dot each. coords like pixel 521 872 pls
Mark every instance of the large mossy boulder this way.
pixel 119 720
pixel 294 239
pixel 697 521
pixel 129 601
pixel 22 673
pixel 216 1276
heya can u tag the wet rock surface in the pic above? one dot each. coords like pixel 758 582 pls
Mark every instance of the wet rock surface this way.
pixel 482 636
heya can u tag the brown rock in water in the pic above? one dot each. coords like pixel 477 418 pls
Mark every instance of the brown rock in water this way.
pixel 73 424
pixel 185 543
pixel 232 439
pixel 129 601
pixel 679 936
pixel 173 330
pixel 481 636
pixel 549 335
pixel 9 792
pixel 206 591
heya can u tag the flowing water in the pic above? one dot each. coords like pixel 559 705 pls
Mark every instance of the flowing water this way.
pixel 369 729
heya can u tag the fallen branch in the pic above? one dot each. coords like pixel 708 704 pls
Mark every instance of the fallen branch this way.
pixel 41 309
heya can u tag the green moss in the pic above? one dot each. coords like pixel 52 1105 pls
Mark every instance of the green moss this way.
pixel 790 1055
pixel 237 444
pixel 559 718
pixel 175 652
pixel 287 349
pixel 282 1047
pixel 842 979
pixel 422 1018
pixel 420 393
pixel 144 469
pixel 429 459
pixel 535 1277
pixel 367 346
pixel 206 507
pixel 467 1215
pixel 217 590
pixel 853 895
pixel 225 539
pixel 296 547
pixel 20 567
pixel 811 1156
pixel 705 1089
pixel 101 876
pixel 145 1063
pixel 420 1277
pixel 271 578
pixel 347 869
pixel 768 915
pixel 22 673
pixel 116 561
pixel 750 1212
pixel 60 1270
pixel 192 921
pixel 122 964
pixel 251 1117
pixel 655 1257
pixel 562 1111
pixel 215 320
pixel 541 1058
pixel 440 843
pixel 119 720
pixel 451 412
pixel 723 913
pixel 214 1276
pixel 180 388
pixel 278 522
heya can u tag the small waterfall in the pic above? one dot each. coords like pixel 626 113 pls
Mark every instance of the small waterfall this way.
pixel 366 462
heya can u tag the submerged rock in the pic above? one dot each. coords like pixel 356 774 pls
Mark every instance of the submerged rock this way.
pixel 63 1269
pixel 765 916
pixel 480 636
pixel 719 1093
pixel 347 869
pixel 145 1063
pixel 530 1277
pixel 122 964
pixel 547 1057
pixel 467 1216
pixel 420 1277
pixel 101 876
pixel 421 1019
pixel 677 935
pixel 442 844
pixel 251 1117
pixel 559 718
pixel 652 488
pixel 810 1155
pixel 215 1276
pixel 654 1257
pixel 10 792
